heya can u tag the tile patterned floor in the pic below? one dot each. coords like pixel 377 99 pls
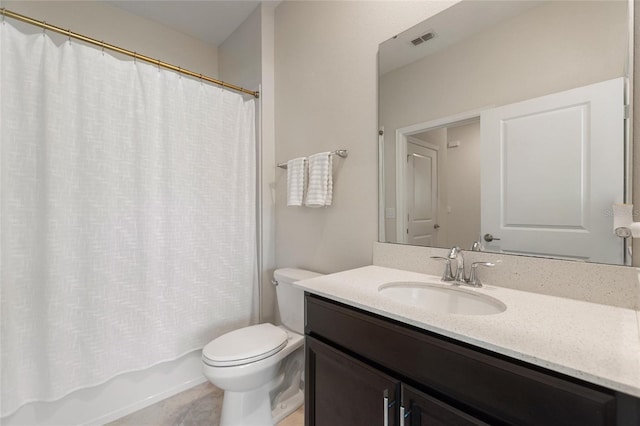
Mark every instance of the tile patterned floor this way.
pixel 198 406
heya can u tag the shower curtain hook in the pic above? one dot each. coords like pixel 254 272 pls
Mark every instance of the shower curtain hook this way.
pixel 3 10
pixel 102 44
pixel 135 57
pixel 180 73
pixel 44 27
pixel 69 35
pixel 200 79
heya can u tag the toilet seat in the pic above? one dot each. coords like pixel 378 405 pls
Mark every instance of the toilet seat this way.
pixel 245 345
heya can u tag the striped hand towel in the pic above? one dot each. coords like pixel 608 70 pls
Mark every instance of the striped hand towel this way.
pixel 296 177
pixel 320 189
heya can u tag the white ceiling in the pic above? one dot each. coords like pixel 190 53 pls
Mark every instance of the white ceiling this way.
pixel 211 21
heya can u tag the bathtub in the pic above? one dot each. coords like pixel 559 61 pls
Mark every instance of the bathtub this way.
pixel 116 398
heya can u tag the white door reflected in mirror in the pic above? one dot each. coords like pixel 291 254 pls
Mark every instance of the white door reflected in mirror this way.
pixel 554 174
pixel 422 194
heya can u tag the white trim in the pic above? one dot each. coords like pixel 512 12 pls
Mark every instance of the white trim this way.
pixel 461 119
pixel 381 188
pixel 401 182
pixel 416 141
pixel 259 209
pixel 402 134
pixel 629 149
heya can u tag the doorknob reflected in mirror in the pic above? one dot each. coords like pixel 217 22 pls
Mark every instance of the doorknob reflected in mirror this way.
pixel 488 238
pixel 436 226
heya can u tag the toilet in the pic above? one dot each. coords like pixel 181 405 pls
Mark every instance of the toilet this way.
pixel 261 367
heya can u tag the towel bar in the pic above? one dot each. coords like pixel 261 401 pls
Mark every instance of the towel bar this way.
pixel 339 152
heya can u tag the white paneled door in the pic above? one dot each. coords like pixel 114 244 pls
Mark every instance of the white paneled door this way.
pixel 551 169
pixel 422 195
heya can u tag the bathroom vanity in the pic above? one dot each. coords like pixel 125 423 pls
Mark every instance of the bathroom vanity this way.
pixel 371 360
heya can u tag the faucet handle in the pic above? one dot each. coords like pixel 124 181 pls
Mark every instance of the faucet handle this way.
pixel 447 275
pixel 473 278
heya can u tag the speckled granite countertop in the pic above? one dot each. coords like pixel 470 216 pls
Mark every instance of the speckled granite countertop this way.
pixel 596 343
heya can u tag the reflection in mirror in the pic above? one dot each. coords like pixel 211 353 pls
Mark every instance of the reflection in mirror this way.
pixel 504 125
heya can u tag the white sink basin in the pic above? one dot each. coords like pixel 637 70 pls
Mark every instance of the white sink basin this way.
pixel 441 299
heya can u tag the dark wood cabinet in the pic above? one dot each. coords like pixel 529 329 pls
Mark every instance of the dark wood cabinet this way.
pixel 346 391
pixel 420 409
pixel 355 358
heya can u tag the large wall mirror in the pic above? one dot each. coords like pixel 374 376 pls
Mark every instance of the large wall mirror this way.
pixel 503 128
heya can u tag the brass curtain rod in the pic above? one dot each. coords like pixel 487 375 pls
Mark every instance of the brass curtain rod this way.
pixel 134 55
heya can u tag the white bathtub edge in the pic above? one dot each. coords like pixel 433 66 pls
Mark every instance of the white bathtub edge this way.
pixel 116 398
pixel 139 405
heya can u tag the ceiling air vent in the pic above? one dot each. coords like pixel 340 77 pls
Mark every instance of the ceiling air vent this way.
pixel 422 38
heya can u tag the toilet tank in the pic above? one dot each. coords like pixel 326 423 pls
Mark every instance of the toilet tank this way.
pixel 290 298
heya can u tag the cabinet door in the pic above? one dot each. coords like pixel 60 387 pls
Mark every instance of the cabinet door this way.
pixel 420 409
pixel 341 390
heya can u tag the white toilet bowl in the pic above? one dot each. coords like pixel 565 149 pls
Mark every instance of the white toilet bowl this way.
pixel 261 367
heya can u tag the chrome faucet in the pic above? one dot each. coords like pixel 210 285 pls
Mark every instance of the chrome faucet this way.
pixel 447 275
pixel 474 280
pixel 456 254
pixel 460 277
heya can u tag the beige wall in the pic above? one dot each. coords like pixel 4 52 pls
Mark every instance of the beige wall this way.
pixel 239 55
pixel 463 77
pixel 115 26
pixel 268 154
pixel 246 59
pixel 463 187
pixel 268 160
pixel 326 99
pixel 553 47
pixel 239 58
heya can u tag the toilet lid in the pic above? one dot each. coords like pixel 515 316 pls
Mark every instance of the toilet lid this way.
pixel 245 345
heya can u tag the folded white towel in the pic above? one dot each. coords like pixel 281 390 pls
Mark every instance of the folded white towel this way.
pixel 296 177
pixel 320 189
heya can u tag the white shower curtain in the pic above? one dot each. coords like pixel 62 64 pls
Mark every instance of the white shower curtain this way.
pixel 127 208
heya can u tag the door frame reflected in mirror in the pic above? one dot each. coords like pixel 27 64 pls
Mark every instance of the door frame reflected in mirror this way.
pixel 401 136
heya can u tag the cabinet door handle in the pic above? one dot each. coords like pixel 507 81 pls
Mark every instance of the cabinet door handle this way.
pixel 386 410
pixel 403 415
pixel 387 404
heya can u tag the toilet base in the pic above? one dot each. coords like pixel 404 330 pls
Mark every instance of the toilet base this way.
pixel 247 408
pixel 284 408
